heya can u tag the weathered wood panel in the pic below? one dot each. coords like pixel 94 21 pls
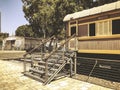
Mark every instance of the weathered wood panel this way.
pixel 102 44
pixel 72 44
pixel 83 30
pixel 67 29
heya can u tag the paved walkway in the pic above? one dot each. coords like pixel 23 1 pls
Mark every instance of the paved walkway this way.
pixel 11 78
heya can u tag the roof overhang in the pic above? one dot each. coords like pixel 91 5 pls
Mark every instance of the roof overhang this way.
pixel 93 11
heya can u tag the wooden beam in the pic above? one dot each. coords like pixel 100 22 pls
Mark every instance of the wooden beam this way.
pixel 98 37
pixel 100 51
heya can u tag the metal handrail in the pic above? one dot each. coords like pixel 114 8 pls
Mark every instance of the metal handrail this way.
pixel 33 51
pixel 46 58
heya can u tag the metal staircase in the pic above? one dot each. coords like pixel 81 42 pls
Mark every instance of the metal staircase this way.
pixel 49 65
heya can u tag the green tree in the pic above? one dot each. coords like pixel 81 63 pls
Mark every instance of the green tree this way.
pixel 24 30
pixel 46 16
pixel 39 14
pixel 62 8
pixel 101 2
pixel 93 3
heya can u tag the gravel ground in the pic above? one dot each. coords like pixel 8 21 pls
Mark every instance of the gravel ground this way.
pixel 98 81
pixel 11 78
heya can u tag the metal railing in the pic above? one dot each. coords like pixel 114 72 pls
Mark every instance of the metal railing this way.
pixel 46 58
pixel 111 65
pixel 30 52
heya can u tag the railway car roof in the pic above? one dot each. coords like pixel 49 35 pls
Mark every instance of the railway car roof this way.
pixel 93 11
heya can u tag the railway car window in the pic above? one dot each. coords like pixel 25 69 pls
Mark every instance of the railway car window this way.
pixel 103 28
pixel 83 30
pixel 92 29
pixel 116 26
pixel 73 30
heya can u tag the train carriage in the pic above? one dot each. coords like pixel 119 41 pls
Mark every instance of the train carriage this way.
pixel 98 40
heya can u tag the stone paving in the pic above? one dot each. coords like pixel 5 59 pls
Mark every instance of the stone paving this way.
pixel 11 78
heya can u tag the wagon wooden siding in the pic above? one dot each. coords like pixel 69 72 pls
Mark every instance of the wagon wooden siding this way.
pixel 98 40
pixel 95 27
pixel 99 44
pixel 83 30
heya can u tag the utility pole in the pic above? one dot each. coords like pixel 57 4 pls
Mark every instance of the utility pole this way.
pixel 0 22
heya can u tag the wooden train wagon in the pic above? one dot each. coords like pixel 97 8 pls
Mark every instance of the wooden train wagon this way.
pixel 20 43
pixel 98 40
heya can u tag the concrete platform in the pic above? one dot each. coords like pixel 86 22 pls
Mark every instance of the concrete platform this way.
pixel 11 78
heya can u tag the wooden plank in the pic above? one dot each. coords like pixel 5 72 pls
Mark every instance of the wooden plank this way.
pixel 99 37
pixel 100 51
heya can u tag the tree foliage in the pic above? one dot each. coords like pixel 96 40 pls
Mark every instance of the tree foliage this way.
pixel 24 30
pixel 46 16
pixel 101 2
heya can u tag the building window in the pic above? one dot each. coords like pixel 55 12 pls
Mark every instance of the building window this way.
pixel 73 30
pixel 116 26
pixel 83 30
pixel 92 29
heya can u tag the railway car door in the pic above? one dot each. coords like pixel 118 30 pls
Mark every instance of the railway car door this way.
pixel 73 30
pixel 72 42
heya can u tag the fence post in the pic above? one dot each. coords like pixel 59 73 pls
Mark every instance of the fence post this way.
pixel 24 64
pixel 46 69
pixel 75 57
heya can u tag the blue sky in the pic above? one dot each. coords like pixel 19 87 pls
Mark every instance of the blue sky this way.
pixel 12 15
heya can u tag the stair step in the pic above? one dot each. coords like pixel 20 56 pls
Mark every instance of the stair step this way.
pixel 52 60
pixel 41 66
pixel 59 53
pixel 34 76
pixel 42 62
pixel 37 71
pixel 37 59
pixel 69 54
pixel 60 61
pixel 59 50
pixel 56 56
pixel 53 69
pixel 58 65
pixel 27 60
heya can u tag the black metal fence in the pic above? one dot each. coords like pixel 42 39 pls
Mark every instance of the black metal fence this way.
pixel 108 69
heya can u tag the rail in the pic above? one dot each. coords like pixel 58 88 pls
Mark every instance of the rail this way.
pixel 46 58
pixel 60 46
pixel 33 51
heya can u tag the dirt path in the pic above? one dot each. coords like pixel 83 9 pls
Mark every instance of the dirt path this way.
pixel 11 78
